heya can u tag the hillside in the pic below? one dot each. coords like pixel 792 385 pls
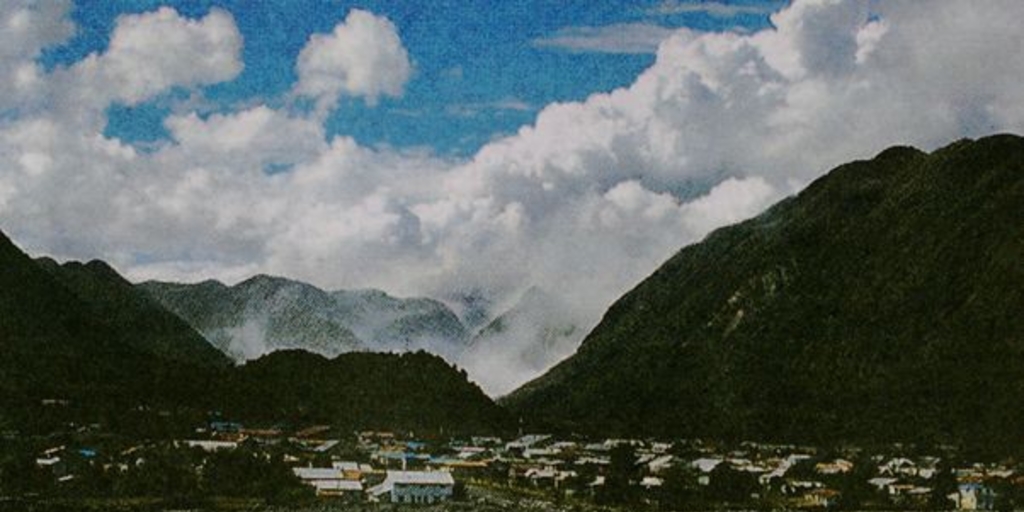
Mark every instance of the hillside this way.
pixel 137 319
pixel 883 302
pixel 265 313
pixel 412 391
pixel 57 344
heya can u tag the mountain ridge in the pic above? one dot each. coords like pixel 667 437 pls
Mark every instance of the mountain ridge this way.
pixel 265 313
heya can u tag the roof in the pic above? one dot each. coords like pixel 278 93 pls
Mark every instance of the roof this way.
pixel 421 477
pixel 211 445
pixel 706 465
pixel 338 485
pixel 326 446
pixel 345 465
pixel 317 473
pixel 651 481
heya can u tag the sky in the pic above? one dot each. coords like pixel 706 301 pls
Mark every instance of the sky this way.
pixel 480 70
pixel 469 147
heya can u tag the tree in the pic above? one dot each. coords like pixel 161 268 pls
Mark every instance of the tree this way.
pixel 251 474
pixel 854 489
pixel 943 484
pixel 732 486
pixel 679 488
pixel 618 486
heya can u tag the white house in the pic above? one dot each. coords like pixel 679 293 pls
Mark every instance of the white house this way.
pixel 415 487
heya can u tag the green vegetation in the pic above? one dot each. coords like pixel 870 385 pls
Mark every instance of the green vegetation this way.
pixel 360 390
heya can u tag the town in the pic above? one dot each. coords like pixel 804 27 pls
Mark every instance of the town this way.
pixel 226 460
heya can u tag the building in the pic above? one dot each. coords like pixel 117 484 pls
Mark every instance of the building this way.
pixel 415 487
pixel 329 482
pixel 974 496
pixel 210 446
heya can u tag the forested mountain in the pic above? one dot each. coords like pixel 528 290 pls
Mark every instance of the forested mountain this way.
pixel 883 302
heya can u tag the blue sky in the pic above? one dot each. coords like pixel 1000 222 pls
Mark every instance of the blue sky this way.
pixel 480 71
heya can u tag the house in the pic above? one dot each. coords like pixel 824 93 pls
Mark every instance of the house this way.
pixel 542 477
pixel 415 487
pixel 706 464
pixel 835 467
pixel 527 441
pixel 820 498
pixel 338 488
pixel 326 446
pixel 905 493
pixel 882 483
pixel 210 446
pixel 352 470
pixel 329 482
pixel 898 466
pixel 660 464
pixel 651 482
pixel 973 496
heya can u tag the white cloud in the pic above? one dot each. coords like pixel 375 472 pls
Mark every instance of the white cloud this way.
pixel 151 52
pixel 363 56
pixel 618 38
pixel 584 202
pixel 26 28
pixel 249 139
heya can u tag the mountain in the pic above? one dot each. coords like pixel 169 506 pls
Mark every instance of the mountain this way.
pixel 390 323
pixel 359 390
pixel 60 342
pixel 538 331
pixel 137 319
pixel 883 302
pixel 472 307
pixel 83 335
pixel 266 313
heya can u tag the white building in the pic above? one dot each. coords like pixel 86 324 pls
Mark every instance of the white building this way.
pixel 415 487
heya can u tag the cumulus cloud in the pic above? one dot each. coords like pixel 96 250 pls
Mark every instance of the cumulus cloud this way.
pixel 363 57
pixel 151 52
pixel 584 202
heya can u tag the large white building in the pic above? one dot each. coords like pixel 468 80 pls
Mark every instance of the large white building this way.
pixel 415 487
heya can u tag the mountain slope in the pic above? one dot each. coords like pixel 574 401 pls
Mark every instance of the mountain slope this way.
pixel 138 320
pixel 267 313
pixel 416 390
pixel 883 302
pixel 57 344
